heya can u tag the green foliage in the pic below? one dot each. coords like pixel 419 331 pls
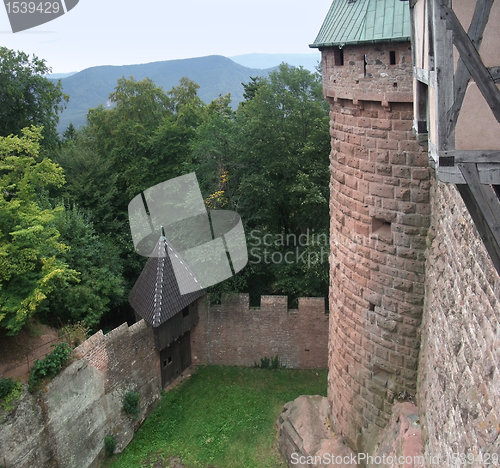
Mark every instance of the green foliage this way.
pixel 49 366
pixel 221 416
pixel 13 394
pixel 100 280
pixel 109 444
pixel 30 248
pixel 6 386
pixel 75 333
pixel 274 156
pixel 266 363
pixel 131 404
pixel 28 98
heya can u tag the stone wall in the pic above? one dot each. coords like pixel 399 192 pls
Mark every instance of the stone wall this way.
pixel 377 80
pixel 63 424
pixel 459 378
pixel 234 333
pixel 380 215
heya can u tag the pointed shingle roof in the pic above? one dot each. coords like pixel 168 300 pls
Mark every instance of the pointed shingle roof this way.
pixel 156 294
pixel 362 21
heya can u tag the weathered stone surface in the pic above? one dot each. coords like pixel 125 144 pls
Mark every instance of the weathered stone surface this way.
pixel 459 369
pixel 305 436
pixel 63 425
pixel 23 436
pixel 400 443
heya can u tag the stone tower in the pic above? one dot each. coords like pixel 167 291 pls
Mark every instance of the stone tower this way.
pixel 380 214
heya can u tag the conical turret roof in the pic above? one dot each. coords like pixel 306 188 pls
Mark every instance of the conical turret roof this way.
pixel 156 294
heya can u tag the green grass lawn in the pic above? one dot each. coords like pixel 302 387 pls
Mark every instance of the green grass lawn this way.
pixel 221 417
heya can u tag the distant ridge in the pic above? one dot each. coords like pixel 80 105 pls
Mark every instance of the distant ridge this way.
pixel 308 61
pixel 215 74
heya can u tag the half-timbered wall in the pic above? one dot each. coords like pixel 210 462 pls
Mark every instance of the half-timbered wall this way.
pixel 456 58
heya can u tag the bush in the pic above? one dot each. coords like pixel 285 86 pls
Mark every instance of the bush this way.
pixel 109 444
pixel 6 386
pixel 131 404
pixel 75 333
pixel 275 362
pixel 8 399
pixel 49 366
pixel 266 363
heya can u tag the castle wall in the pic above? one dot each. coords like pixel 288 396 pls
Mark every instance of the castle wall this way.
pixel 459 378
pixel 71 415
pixel 233 333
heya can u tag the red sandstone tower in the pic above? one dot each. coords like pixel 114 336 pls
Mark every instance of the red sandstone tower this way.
pixel 380 214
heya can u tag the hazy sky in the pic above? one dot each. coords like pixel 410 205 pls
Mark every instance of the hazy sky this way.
pixel 118 32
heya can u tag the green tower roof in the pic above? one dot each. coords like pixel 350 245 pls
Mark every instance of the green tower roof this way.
pixel 361 21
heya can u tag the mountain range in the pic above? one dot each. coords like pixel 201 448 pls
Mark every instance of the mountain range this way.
pixel 216 75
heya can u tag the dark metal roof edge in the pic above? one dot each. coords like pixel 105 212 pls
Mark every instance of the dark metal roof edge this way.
pixel 368 41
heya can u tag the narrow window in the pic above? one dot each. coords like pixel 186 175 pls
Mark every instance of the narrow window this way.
pixel 185 312
pixel 392 57
pixel 339 57
pixel 365 61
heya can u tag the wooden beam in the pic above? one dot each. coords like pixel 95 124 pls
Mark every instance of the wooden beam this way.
pixel 483 157
pixel 421 74
pixel 443 74
pixel 484 207
pixel 462 75
pixel 473 62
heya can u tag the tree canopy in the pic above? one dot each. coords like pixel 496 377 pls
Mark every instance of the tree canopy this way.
pixel 27 97
pixel 66 252
pixel 30 248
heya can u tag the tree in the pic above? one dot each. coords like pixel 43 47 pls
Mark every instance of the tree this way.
pixel 283 182
pixel 284 172
pixel 98 261
pixel 30 249
pixel 27 97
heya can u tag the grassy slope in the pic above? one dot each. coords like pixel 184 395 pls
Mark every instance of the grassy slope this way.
pixel 221 417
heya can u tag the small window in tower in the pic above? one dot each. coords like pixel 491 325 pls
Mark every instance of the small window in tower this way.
pixel 339 57
pixel 392 57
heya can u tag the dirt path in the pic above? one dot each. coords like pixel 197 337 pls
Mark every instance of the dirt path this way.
pixel 18 353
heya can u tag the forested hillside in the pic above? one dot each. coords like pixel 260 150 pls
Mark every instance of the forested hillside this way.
pixel 66 252
pixel 215 74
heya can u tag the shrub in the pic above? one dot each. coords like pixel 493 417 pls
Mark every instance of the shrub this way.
pixel 75 333
pixel 7 401
pixel 109 444
pixel 49 366
pixel 266 363
pixel 6 386
pixel 131 404
pixel 275 362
